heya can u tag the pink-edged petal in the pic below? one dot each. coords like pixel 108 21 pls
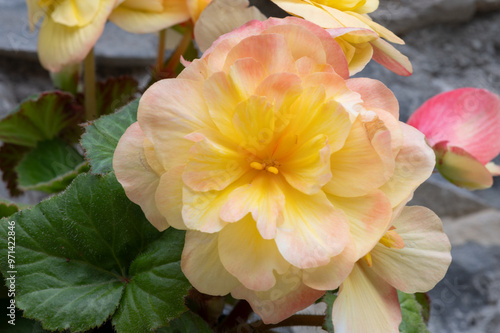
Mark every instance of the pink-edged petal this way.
pixel 288 296
pixel 414 165
pixel 331 275
pixel 247 74
pixel 493 168
pixel 425 258
pixel 389 57
pixel 140 19
pixel 366 303
pixel 210 25
pixel 358 168
pixel 313 231
pixel 375 94
pixel 369 218
pixel 60 45
pixel 465 118
pixel 250 258
pixel 168 197
pixel 213 165
pixel 137 177
pixel 201 264
pixel 262 198
pixel 168 111
pixel 381 30
pixel 461 168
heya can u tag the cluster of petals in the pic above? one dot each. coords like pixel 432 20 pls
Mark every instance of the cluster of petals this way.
pixel 71 28
pixel 360 37
pixel 284 172
pixel 462 127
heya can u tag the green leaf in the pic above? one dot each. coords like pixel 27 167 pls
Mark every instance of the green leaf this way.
pixel 413 313
pixel 156 292
pixel 188 322
pixel 73 253
pixel 114 93
pixel 7 208
pixel 39 118
pixel 50 167
pixel 101 137
pixel 10 156
pixel 329 299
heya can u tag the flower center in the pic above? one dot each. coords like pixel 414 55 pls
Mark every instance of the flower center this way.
pixel 269 166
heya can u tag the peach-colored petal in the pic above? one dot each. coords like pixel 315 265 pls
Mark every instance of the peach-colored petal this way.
pixel 461 168
pixel 167 118
pixel 60 45
pixel 288 296
pixel 366 303
pixel 201 264
pixel 425 257
pixel 139 180
pixel 141 20
pixel 375 94
pixel 386 55
pixel 262 198
pixel 369 218
pixel 247 74
pixel 466 118
pixel 313 231
pixel 357 168
pixel 168 197
pixel 250 258
pixel 414 164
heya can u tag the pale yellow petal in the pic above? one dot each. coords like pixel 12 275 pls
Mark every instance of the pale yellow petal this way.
pixel 168 197
pixel 73 13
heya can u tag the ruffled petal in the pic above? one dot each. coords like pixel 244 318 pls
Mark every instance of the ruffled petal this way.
pixel 168 197
pixel 375 94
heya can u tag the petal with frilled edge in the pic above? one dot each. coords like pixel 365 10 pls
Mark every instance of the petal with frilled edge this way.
pixel 425 258
pixel 288 296
pixel 313 230
pixel 60 45
pixel 250 258
pixel 262 198
pixel 369 218
pixel 201 264
pixel 137 177
pixel 375 94
pixel 366 303
pixel 467 118
pixel 142 21
pixel 414 164
pixel 170 110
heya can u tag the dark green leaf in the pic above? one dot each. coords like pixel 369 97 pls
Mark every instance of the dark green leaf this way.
pixel 49 167
pixel 73 252
pixel 114 93
pixel 7 208
pixel 10 156
pixel 329 299
pixel 39 118
pixel 412 313
pixel 155 295
pixel 188 322
pixel 101 137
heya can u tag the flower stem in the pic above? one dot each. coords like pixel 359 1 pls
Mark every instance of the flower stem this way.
pixel 240 313
pixel 89 83
pixel 179 51
pixel 161 50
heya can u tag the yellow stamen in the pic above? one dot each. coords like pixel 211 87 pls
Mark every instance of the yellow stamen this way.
pixel 368 259
pixel 257 166
pixel 391 239
pixel 272 169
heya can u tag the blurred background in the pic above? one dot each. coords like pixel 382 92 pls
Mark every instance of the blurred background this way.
pixel 451 44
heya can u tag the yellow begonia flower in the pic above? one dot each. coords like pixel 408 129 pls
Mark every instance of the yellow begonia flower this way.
pixel 355 31
pixel 69 30
pixel 148 16
pixel 284 171
pixel 413 258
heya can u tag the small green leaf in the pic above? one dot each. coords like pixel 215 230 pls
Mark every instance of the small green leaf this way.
pixel 114 93
pixel 7 208
pixel 39 118
pixel 49 167
pixel 73 252
pixel 155 294
pixel 10 156
pixel 102 136
pixel 188 322
pixel 329 299
pixel 413 313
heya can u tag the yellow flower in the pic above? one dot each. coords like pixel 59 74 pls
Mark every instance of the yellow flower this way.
pixel 148 16
pixel 284 171
pixel 354 30
pixel 69 30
